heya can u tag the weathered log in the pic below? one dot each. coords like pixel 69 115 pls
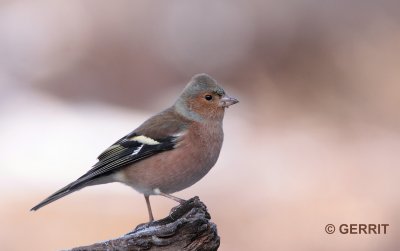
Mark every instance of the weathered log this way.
pixel 188 227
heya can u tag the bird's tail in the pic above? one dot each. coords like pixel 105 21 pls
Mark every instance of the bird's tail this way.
pixel 57 195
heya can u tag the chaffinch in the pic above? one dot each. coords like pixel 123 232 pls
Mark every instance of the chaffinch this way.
pixel 168 152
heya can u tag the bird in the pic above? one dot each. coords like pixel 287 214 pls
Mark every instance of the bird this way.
pixel 167 153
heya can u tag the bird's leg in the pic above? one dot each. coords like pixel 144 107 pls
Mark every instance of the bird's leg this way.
pixel 179 200
pixel 151 218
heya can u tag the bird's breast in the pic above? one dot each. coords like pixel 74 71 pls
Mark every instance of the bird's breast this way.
pixel 195 154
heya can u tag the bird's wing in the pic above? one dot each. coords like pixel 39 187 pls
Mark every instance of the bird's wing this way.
pixel 158 134
pixel 126 151
pixel 153 136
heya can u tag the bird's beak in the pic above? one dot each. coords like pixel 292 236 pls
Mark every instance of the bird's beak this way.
pixel 227 101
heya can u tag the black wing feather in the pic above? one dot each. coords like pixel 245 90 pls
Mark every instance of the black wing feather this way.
pixel 117 159
pixel 117 156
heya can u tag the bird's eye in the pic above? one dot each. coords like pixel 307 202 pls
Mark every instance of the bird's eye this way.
pixel 208 97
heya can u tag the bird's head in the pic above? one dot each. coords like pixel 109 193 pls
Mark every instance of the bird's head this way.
pixel 203 99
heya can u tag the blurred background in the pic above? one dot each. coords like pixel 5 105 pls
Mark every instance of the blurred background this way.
pixel 314 140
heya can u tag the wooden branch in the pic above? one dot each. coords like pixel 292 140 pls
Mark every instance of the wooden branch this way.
pixel 188 227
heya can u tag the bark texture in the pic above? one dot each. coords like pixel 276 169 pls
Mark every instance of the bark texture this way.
pixel 187 227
